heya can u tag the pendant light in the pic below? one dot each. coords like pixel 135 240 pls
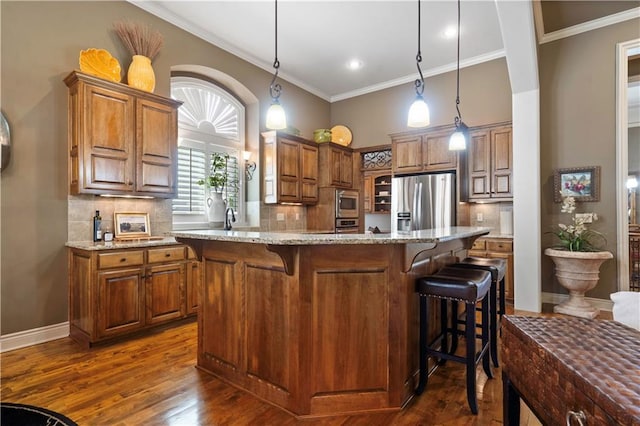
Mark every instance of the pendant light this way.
pixel 458 140
pixel 276 118
pixel 419 111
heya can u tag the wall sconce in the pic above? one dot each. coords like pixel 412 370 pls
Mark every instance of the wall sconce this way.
pixel 249 166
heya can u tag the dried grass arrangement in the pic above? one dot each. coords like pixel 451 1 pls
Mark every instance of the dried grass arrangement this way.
pixel 139 39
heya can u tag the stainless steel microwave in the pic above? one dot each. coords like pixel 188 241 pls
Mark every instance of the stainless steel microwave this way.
pixel 347 203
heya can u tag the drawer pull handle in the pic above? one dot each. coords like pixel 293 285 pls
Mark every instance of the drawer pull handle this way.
pixel 124 259
pixel 167 255
pixel 578 416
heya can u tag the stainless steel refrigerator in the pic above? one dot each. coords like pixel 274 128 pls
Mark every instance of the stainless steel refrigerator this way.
pixel 423 201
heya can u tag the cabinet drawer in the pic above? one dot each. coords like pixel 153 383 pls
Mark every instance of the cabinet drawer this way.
pixel 500 245
pixel 478 245
pixel 165 254
pixel 122 258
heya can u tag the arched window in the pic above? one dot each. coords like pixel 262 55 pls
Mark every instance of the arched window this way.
pixel 210 121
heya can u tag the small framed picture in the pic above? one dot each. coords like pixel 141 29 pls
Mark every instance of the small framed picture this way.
pixel 582 183
pixel 131 225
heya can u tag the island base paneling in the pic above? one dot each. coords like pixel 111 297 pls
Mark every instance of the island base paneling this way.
pixel 317 330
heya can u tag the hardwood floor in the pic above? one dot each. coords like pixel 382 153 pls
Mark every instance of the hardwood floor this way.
pixel 152 380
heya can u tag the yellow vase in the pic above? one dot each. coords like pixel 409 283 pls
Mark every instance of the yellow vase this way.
pixel 140 74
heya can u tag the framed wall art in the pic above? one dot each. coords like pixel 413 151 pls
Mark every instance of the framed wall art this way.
pixel 131 225
pixel 582 183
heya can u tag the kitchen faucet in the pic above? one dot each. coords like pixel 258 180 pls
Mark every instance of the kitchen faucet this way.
pixel 227 223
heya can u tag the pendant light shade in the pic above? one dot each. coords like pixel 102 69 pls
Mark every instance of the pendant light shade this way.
pixel 458 140
pixel 419 111
pixel 276 118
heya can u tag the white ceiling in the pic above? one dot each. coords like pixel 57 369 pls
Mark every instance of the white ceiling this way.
pixel 316 39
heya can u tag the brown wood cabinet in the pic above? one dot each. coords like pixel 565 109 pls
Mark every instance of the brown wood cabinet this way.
pixel 290 169
pixel 423 152
pixel 377 192
pixel 335 166
pixel 497 248
pixel 490 163
pixel 120 291
pixel 122 141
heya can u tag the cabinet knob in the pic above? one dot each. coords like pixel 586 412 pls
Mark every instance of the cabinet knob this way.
pixel 578 416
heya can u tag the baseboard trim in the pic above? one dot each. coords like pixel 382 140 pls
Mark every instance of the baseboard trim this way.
pixel 555 298
pixel 21 339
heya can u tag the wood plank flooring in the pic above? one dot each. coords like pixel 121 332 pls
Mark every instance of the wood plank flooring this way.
pixel 152 380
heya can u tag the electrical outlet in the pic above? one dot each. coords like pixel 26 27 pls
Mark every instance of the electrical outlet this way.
pixel 585 217
pixel 479 217
pixel 280 217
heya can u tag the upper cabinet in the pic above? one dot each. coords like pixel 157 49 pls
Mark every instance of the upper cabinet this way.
pixel 423 152
pixel 490 163
pixel 122 141
pixel 336 165
pixel 290 169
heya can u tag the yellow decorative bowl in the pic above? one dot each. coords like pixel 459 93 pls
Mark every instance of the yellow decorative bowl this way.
pixel 100 63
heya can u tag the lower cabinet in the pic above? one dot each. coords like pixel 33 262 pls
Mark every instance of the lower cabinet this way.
pixel 497 248
pixel 114 292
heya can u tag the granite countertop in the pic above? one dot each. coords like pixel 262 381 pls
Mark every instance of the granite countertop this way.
pixel 90 245
pixel 283 238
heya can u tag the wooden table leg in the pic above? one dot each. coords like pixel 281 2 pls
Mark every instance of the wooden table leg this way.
pixel 510 403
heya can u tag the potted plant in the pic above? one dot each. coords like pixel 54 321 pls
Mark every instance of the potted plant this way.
pixel 577 260
pixel 216 182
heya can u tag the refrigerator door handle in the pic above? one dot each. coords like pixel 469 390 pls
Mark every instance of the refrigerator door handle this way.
pixel 414 208
pixel 418 206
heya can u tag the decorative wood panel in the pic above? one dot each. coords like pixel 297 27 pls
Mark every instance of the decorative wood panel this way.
pixel 164 292
pixel 268 325
pixel 221 310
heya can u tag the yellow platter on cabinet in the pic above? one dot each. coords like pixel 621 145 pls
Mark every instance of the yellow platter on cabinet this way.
pixel 341 135
pixel 100 63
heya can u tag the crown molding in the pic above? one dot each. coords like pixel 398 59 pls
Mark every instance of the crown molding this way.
pixel 591 25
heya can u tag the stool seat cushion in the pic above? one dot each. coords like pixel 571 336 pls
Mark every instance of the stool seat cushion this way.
pixel 500 265
pixel 469 285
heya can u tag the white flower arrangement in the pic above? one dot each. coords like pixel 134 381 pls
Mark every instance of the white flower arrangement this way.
pixel 577 236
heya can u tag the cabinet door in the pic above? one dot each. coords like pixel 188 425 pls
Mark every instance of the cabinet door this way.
pixel 368 192
pixel 309 174
pixel 346 169
pixel 479 161
pixel 164 292
pixel 289 171
pixel 120 301
pixel 156 146
pixel 107 133
pixel 501 162
pixel 508 274
pixel 436 153
pixel 407 155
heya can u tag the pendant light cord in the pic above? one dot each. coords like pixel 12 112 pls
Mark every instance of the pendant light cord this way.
pixel 419 82
pixel 458 118
pixel 275 89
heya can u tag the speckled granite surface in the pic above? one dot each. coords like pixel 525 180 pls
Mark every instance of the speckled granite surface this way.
pixel 282 238
pixel 90 245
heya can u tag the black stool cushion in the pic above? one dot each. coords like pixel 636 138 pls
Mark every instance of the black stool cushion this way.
pixel 495 266
pixel 469 285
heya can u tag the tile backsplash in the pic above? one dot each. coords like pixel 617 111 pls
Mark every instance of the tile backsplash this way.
pixel 82 208
pixel 488 214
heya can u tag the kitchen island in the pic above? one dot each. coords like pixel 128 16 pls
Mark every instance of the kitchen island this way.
pixel 317 324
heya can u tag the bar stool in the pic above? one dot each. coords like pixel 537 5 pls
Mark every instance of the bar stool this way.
pixel 497 268
pixel 456 284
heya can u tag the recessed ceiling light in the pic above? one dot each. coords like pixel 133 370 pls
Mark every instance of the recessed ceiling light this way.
pixel 354 64
pixel 449 32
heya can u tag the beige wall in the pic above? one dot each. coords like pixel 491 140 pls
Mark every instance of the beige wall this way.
pixel 485 97
pixel 40 46
pixel 578 128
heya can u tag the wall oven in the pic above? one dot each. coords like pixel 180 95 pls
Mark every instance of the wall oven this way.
pixel 346 204
pixel 347 226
